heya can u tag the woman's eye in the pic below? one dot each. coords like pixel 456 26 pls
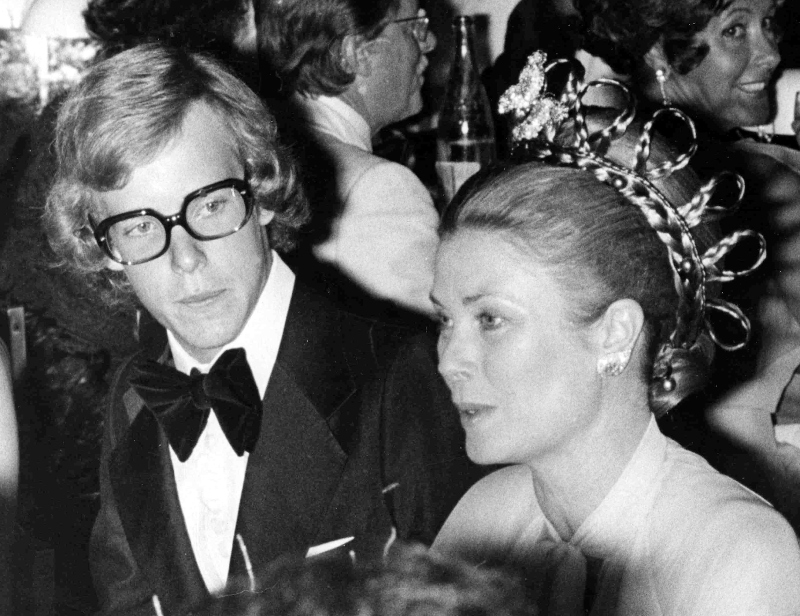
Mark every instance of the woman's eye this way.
pixel 443 321
pixel 771 25
pixel 734 31
pixel 490 321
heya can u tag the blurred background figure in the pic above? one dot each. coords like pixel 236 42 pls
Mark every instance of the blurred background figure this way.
pixel 718 62
pixel 411 582
pixel 9 479
pixel 223 29
pixel 352 67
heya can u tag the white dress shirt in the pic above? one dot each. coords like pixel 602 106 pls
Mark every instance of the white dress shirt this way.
pixel 332 116
pixel 210 482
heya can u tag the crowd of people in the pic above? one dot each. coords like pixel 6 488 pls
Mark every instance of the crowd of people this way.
pixel 302 390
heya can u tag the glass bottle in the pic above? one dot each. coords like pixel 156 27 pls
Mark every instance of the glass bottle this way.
pixel 465 134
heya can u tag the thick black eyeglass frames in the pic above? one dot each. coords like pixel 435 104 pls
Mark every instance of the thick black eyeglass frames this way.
pixel 208 213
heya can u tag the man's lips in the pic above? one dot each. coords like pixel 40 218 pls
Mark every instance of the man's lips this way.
pixel 201 299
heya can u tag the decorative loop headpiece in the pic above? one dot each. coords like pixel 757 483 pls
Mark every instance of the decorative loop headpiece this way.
pixel 538 117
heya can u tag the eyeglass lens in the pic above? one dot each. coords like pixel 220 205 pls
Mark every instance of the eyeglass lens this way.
pixel 212 215
pixel 418 26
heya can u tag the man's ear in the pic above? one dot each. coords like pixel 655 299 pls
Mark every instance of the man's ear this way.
pixel 265 216
pixel 356 55
pixel 619 327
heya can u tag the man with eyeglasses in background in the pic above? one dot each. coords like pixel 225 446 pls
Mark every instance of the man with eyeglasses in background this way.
pixel 261 426
pixel 351 68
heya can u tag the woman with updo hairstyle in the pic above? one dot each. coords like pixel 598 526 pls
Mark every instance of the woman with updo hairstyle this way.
pixel 349 68
pixel 717 61
pixel 572 292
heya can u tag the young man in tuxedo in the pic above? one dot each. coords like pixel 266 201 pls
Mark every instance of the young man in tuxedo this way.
pixel 271 421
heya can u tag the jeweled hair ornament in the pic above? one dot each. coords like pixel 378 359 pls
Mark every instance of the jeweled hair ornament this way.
pixel 539 115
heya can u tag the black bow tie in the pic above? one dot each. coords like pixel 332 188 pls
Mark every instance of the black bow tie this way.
pixel 181 402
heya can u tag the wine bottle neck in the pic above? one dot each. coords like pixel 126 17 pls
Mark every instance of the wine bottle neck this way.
pixel 464 31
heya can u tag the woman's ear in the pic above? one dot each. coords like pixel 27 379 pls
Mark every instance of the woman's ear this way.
pixel 619 328
pixel 656 59
pixel 355 54
pixel 616 335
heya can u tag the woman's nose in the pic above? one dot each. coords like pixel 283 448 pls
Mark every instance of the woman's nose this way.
pixel 769 55
pixel 456 359
pixel 186 253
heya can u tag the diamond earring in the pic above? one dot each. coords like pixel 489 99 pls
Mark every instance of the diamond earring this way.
pixel 614 363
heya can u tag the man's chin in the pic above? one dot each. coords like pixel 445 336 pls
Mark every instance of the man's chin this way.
pixel 204 343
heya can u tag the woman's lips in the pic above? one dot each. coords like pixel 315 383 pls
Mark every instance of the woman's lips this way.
pixel 753 87
pixel 474 411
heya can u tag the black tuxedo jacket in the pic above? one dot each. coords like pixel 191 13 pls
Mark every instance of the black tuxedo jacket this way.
pixel 352 407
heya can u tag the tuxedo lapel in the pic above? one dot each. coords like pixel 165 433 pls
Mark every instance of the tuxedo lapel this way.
pixel 312 351
pixel 144 488
pixel 297 465
pixel 291 476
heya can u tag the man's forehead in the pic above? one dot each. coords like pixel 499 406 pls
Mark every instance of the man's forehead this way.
pixel 202 152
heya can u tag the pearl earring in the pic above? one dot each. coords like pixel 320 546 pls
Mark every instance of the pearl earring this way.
pixel 661 78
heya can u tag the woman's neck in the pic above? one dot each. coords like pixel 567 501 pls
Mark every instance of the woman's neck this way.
pixel 650 101
pixel 571 482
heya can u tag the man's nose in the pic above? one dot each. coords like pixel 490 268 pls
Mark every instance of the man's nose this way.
pixel 428 44
pixel 186 253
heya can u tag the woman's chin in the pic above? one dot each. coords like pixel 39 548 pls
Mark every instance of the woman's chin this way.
pixel 482 455
pixel 756 115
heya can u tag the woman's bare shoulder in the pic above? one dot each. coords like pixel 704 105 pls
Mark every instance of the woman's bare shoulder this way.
pixel 490 516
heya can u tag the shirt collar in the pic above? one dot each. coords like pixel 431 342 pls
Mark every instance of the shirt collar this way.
pixel 611 522
pixel 262 333
pixel 333 116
